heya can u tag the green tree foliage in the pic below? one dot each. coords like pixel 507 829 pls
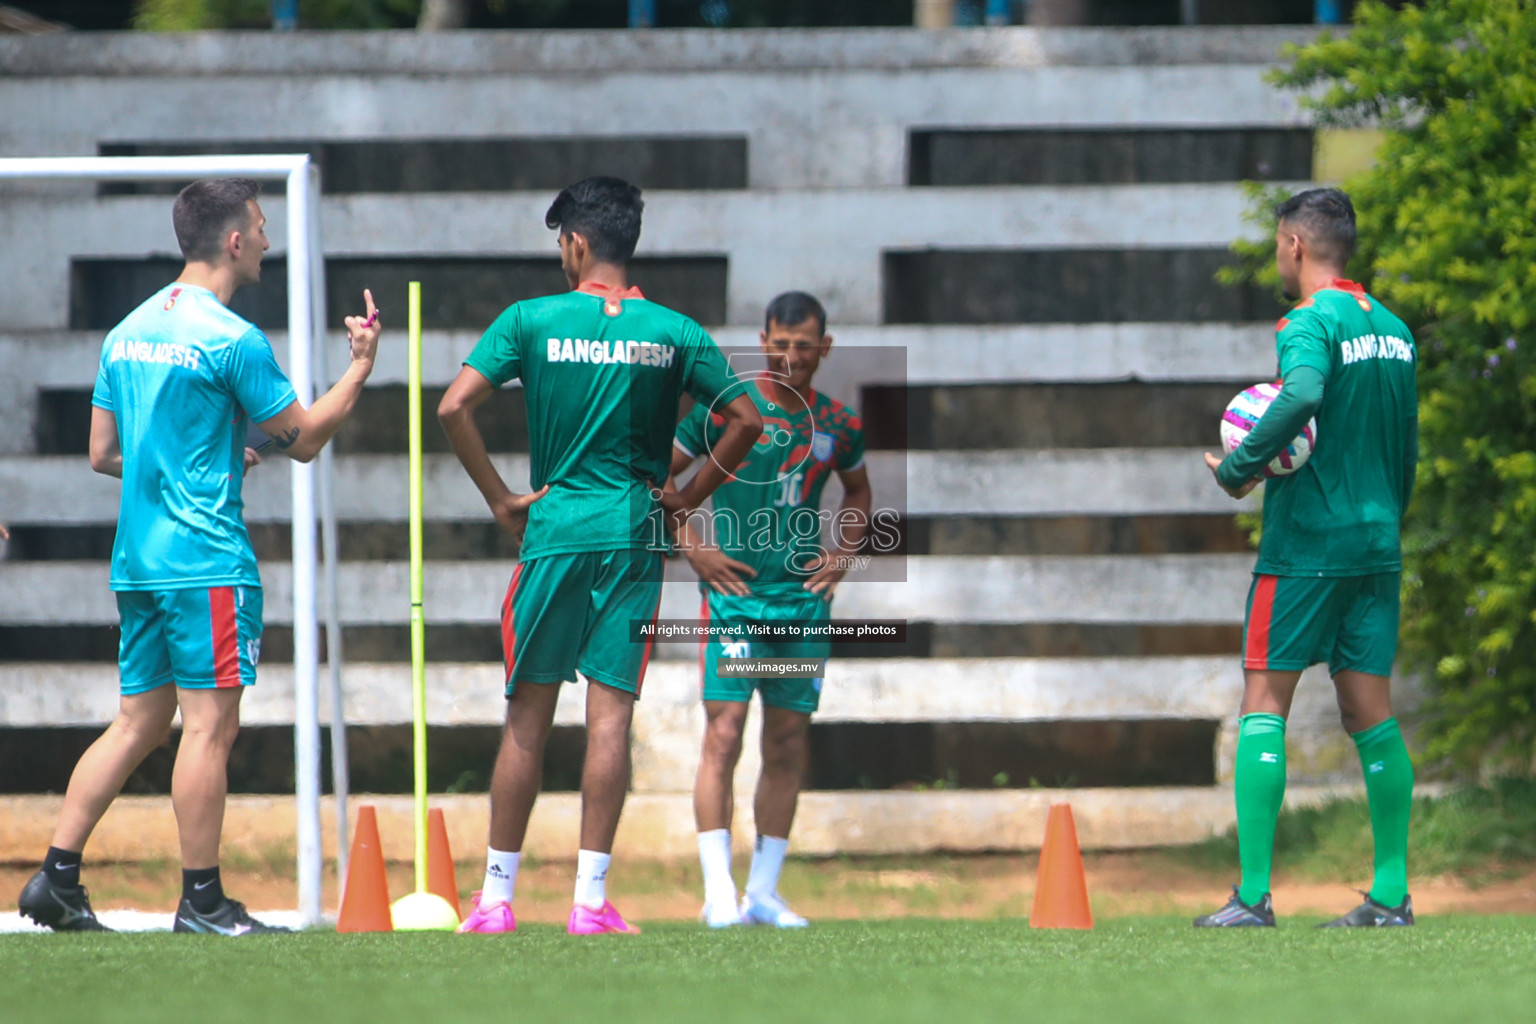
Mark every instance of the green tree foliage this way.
pixel 1448 240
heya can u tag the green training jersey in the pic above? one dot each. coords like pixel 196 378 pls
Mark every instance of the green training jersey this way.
pixel 602 371
pixel 1341 513
pixel 768 514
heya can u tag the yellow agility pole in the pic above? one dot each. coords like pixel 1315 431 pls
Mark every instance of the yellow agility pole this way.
pixel 418 620
pixel 421 910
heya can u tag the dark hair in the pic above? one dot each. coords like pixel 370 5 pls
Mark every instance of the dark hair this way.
pixel 793 308
pixel 1326 218
pixel 205 210
pixel 606 211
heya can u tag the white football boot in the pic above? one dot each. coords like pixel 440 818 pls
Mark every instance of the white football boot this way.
pixel 769 910
pixel 720 914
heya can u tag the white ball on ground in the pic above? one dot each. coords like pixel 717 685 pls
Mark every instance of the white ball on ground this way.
pixel 423 912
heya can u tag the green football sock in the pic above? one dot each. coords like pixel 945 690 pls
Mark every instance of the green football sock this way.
pixel 1259 785
pixel 1389 787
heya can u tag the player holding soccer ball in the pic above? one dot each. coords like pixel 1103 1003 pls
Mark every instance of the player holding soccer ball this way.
pixel 1326 585
pixel 602 369
pixel 769 567
pixel 179 379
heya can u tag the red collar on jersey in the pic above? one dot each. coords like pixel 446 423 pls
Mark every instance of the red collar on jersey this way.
pixel 809 398
pixel 1346 285
pixel 608 291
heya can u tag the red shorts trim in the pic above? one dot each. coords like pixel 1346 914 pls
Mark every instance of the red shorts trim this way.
pixel 1261 615
pixel 226 636
pixel 508 627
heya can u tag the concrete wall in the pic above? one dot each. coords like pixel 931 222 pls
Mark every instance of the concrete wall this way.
pixel 828 120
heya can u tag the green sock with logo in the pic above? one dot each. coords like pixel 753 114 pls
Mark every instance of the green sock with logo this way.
pixel 1389 788
pixel 1259 785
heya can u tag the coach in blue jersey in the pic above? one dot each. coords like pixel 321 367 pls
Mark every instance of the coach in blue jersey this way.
pixel 179 380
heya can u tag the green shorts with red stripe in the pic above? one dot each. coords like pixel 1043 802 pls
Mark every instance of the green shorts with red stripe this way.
pixel 1349 622
pixel 200 638
pixel 733 613
pixel 576 612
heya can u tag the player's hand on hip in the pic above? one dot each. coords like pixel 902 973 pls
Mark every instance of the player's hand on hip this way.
pixel 363 331
pixel 722 572
pixel 252 458
pixel 675 505
pixel 1213 463
pixel 824 581
pixel 512 511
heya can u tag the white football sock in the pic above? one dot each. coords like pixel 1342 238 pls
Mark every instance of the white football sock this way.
pixel 767 862
pixel 715 858
pixel 591 876
pixel 500 876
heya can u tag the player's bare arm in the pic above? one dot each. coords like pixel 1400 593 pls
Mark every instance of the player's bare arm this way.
pixel 719 570
pixel 743 426
pixel 300 433
pixel 456 412
pixel 848 529
pixel 106 456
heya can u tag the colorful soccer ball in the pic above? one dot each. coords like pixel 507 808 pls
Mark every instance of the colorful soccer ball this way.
pixel 1243 414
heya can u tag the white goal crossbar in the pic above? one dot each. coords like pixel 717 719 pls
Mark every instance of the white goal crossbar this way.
pixel 306 320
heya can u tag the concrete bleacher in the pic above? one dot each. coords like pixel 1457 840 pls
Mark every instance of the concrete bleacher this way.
pixel 1000 221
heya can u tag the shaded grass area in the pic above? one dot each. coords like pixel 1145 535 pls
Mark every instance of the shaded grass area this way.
pixel 1477 833
pixel 1130 969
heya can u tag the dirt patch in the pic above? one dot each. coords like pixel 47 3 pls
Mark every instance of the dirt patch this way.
pixel 962 886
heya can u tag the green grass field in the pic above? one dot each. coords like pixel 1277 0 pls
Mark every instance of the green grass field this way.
pixel 1129 969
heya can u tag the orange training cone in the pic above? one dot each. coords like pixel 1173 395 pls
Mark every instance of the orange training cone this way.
pixel 365 897
pixel 440 880
pixel 1061 890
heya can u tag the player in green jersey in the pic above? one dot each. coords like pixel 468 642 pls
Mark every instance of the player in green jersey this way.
pixel 1325 588
pixel 766 564
pixel 603 370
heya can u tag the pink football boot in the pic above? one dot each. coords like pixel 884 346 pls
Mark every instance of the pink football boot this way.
pixel 586 921
pixel 490 919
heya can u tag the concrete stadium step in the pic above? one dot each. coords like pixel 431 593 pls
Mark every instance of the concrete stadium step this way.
pixel 660 826
pixel 670 719
pixel 866 89
pixel 1101 155
pixel 875 690
pixel 364 540
pixel 956 158
pixel 62 490
pixel 789 52
pixel 739 226
pixel 687 223
pixel 962 589
pixel 969 417
pixel 913 354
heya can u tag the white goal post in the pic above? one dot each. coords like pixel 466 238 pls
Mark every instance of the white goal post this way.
pixel 306 358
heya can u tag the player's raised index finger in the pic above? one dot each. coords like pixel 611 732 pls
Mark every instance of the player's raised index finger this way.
pixel 368 301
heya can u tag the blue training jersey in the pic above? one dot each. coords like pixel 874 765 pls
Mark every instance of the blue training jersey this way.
pixel 182 375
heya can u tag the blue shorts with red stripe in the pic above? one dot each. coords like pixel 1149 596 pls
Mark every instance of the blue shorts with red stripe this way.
pixel 201 638
pixel 1349 622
